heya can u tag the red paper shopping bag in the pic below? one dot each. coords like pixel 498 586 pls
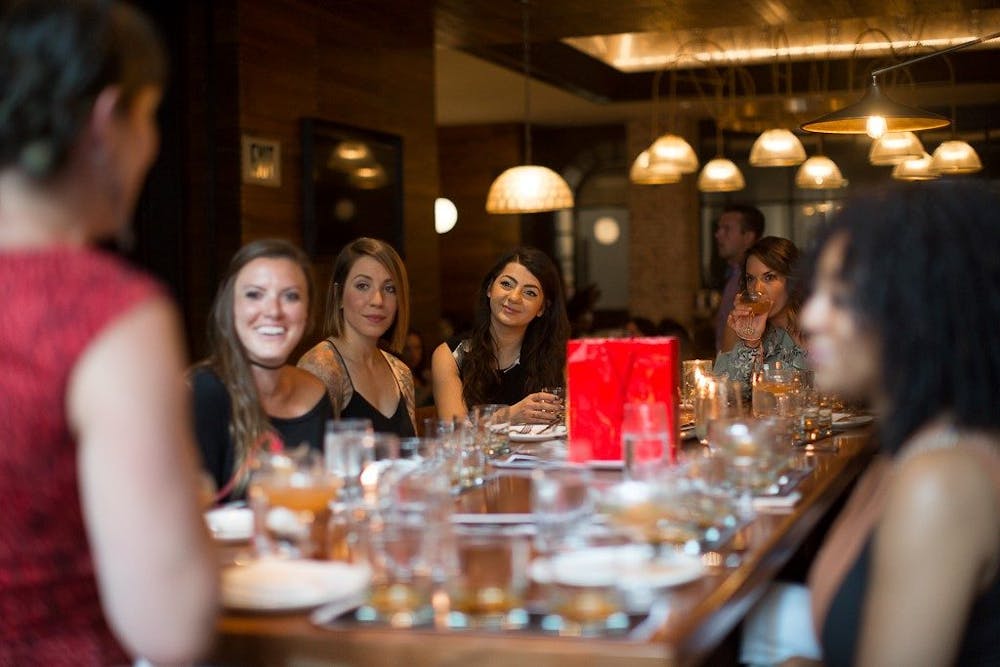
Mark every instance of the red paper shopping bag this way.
pixel 605 374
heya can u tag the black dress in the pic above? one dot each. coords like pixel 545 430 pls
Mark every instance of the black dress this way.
pixel 212 412
pixel 511 384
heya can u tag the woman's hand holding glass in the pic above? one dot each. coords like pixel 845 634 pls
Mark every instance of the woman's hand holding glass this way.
pixel 542 407
pixel 748 317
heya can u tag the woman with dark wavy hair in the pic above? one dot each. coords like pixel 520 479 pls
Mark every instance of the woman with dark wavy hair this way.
pixel 905 314
pixel 770 267
pixel 517 345
pixel 246 395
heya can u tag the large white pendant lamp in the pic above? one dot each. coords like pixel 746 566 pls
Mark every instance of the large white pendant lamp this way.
pixel 955 157
pixel 914 170
pixel 895 147
pixel 720 175
pixel 819 173
pixel 777 147
pixel 528 188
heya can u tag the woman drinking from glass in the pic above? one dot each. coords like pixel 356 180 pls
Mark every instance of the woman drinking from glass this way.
pixel 517 346
pixel 368 305
pixel 246 396
pixel 765 325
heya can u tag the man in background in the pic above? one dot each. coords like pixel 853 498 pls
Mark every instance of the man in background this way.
pixel 738 228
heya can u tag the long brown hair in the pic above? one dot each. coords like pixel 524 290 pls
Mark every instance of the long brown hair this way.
pixel 543 350
pixel 386 255
pixel 227 356
pixel 781 256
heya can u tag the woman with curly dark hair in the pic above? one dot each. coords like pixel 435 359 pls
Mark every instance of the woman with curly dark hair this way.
pixel 517 345
pixel 905 315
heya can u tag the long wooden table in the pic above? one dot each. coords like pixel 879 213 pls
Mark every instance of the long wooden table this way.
pixel 694 620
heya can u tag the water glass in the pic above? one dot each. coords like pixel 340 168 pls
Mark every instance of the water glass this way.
pixel 715 398
pixel 382 450
pixel 645 435
pixel 559 408
pixel 492 428
pixel 347 452
pixel 561 503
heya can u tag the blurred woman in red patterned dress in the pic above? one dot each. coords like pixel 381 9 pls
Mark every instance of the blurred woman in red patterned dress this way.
pixel 103 553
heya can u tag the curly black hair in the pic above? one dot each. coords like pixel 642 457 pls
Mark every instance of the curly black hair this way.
pixel 56 56
pixel 922 269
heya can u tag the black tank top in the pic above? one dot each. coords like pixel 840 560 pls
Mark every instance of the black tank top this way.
pixel 980 643
pixel 360 408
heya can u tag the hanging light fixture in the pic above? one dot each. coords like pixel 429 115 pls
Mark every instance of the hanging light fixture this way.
pixel 875 114
pixel 778 147
pixel 720 175
pixel 819 173
pixel 895 147
pixel 668 156
pixel 914 170
pixel 673 151
pixel 445 215
pixel 528 188
pixel 955 157
pixel 645 172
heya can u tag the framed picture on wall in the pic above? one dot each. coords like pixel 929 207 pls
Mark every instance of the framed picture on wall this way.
pixel 352 186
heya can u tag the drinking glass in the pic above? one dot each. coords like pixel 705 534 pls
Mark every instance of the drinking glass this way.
pixel 715 398
pixel 381 450
pixel 559 408
pixel 487 589
pixel 776 390
pixel 758 303
pixel 290 494
pixel 347 451
pixel 561 503
pixel 692 371
pixel 645 435
pixel 492 427
pixel 749 448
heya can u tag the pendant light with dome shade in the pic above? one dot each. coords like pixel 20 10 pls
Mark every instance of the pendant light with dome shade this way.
pixel 528 188
pixel 668 156
pixel 778 146
pixel 720 174
pixel 954 157
pixel 915 170
pixel 819 173
pixel 875 113
pixel 894 147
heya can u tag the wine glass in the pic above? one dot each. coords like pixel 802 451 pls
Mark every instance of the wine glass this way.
pixel 756 303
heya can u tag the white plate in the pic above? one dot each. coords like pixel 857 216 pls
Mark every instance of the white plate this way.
pixel 230 524
pixel 283 585
pixel 626 566
pixel 608 464
pixel 536 432
pixel 492 518
pixel 843 420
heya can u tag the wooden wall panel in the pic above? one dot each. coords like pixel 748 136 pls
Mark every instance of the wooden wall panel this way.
pixel 347 63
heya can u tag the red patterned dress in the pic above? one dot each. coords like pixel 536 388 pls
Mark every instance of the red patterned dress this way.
pixel 56 301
